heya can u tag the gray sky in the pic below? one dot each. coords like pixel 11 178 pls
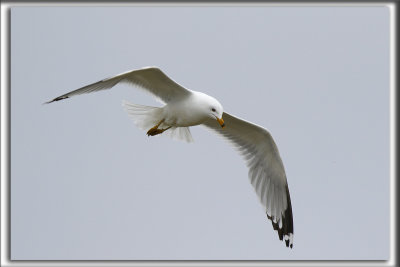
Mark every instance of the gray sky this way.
pixel 88 184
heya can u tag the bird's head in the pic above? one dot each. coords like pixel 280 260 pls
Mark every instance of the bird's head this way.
pixel 214 109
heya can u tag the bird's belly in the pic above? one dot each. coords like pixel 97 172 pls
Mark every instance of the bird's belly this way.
pixel 184 121
pixel 177 118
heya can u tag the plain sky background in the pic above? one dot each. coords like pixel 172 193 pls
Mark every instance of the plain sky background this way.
pixel 86 184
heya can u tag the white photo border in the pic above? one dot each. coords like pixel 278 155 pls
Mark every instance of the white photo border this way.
pixel 6 135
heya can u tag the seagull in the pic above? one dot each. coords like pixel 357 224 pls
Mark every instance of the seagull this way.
pixel 184 108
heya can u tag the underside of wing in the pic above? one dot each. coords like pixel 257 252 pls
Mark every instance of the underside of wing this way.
pixel 151 79
pixel 266 171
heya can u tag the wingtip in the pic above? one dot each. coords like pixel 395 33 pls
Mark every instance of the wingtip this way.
pixel 56 99
pixel 289 240
pixel 285 230
pixel 48 102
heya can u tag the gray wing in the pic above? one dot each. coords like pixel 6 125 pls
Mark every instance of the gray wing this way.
pixel 151 79
pixel 266 171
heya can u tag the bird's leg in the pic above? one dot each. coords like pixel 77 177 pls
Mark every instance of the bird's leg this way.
pixel 154 131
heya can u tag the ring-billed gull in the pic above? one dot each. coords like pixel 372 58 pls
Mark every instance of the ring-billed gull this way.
pixel 184 108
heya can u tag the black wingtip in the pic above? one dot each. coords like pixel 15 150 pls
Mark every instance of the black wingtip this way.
pixel 56 99
pixel 287 223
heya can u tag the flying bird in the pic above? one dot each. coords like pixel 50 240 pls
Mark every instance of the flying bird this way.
pixel 184 108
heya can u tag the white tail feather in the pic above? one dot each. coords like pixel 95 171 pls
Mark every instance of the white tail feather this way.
pixel 180 133
pixel 146 117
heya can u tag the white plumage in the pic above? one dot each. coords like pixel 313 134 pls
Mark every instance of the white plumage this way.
pixel 184 108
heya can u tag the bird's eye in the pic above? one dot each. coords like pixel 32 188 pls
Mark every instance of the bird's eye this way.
pixel 213 109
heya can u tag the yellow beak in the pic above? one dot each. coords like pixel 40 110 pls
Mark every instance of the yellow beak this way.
pixel 221 122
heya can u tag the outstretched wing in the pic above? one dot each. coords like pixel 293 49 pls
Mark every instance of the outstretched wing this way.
pixel 266 171
pixel 151 79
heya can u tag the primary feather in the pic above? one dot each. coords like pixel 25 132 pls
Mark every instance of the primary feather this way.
pixel 151 79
